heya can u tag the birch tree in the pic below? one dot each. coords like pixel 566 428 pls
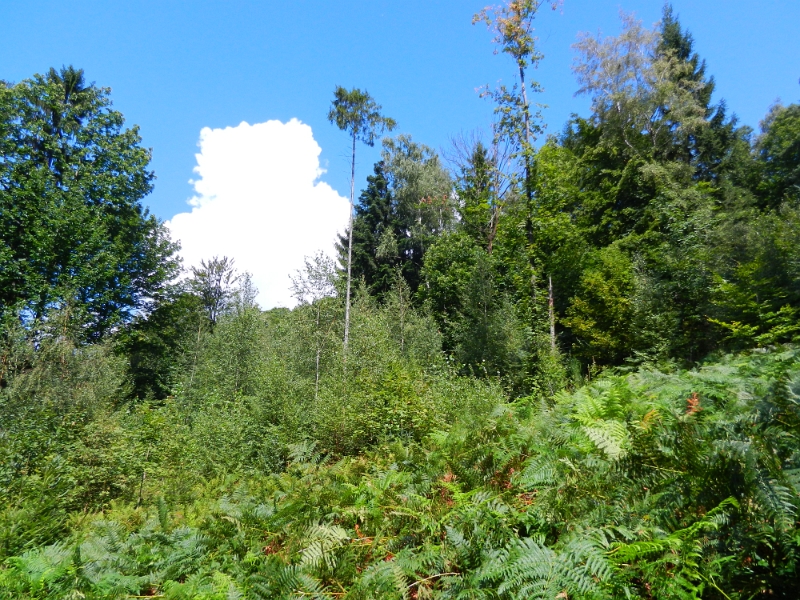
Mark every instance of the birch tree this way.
pixel 311 286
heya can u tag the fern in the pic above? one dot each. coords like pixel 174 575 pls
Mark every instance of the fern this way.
pixel 321 543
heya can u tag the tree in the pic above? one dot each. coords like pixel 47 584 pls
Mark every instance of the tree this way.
pixel 481 183
pixel 512 24
pixel 476 197
pixel 158 346
pixel 75 233
pixel 376 230
pixel 778 151
pixel 646 94
pixel 214 283
pixel 480 328
pixel 357 113
pixel 423 202
pixel 407 204
pixel 310 287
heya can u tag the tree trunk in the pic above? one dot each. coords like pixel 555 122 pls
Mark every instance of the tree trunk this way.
pixel 316 335
pixel 528 181
pixel 552 318
pixel 350 248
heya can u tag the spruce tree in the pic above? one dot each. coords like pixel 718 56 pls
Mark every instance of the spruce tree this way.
pixel 477 203
pixel 714 149
pixel 375 231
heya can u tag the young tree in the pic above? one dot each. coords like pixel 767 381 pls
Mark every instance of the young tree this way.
pixel 359 115
pixel 213 282
pixel 476 196
pixel 157 346
pixel 481 183
pixel 311 286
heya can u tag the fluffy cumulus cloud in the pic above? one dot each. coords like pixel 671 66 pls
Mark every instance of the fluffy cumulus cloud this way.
pixel 259 200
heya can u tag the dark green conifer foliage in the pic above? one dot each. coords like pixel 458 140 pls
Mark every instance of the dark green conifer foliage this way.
pixel 158 346
pixel 720 146
pixel 407 204
pixel 376 231
pixel 477 197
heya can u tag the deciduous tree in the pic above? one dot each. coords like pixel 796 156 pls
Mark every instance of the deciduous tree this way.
pixel 355 112
pixel 74 230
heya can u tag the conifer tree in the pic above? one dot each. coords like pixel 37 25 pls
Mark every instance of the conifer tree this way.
pixel 376 229
pixel 476 195
pixel 711 150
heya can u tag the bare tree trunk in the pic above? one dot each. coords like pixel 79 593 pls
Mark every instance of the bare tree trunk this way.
pixel 194 358
pixel 495 209
pixel 316 380
pixel 402 317
pixel 527 157
pixel 528 182
pixel 350 248
pixel 316 335
pixel 552 318
pixel 141 481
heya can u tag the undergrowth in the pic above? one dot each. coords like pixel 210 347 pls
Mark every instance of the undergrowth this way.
pixel 647 485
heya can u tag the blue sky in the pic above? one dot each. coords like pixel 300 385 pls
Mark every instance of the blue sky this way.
pixel 178 67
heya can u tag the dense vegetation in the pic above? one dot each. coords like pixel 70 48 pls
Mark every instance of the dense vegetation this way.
pixel 570 371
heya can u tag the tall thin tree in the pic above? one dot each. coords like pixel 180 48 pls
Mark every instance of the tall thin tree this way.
pixel 359 115
pixel 512 24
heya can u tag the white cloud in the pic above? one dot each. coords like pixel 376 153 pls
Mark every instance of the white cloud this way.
pixel 259 200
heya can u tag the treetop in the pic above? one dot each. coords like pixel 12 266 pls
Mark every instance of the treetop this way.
pixel 356 112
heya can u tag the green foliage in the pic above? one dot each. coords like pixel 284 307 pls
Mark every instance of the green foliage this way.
pixel 476 189
pixel 71 183
pixel 755 293
pixel 407 204
pixel 357 113
pixel 778 151
pixel 481 326
pixel 464 441
pixel 655 484
pixel 159 346
pixel 600 314
pixel 376 230
pixel 60 448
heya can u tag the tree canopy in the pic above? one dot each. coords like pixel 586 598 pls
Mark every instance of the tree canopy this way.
pixel 72 180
